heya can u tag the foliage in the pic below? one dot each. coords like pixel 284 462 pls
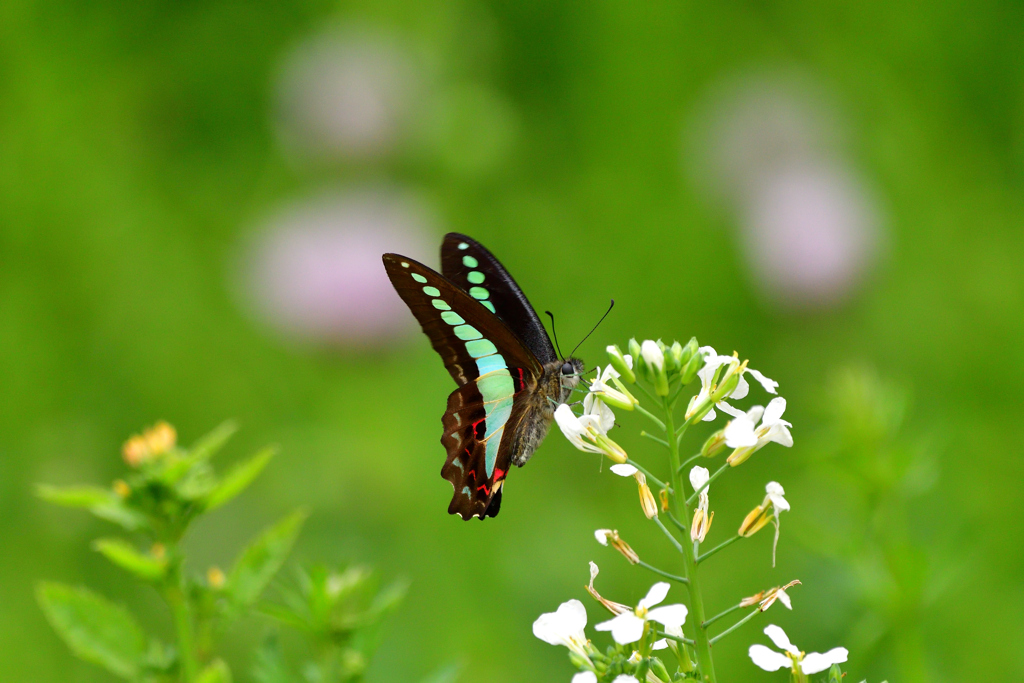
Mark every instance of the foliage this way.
pixel 166 491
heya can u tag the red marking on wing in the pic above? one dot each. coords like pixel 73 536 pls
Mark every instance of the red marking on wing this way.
pixel 499 474
pixel 485 489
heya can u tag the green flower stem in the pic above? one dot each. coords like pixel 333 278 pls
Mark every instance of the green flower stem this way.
pixel 174 593
pixel 720 615
pixel 650 477
pixel 662 572
pixel 648 394
pixel 644 411
pixel 668 533
pixel 702 646
pixel 679 525
pixel 690 461
pixel 669 636
pixel 735 626
pixel 720 546
pixel 652 437
pixel 714 476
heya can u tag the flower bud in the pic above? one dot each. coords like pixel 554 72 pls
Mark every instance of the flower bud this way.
pixel 622 364
pixel 658 667
pixel 647 502
pixel 158 551
pixel 215 577
pixel 701 525
pixel 663 498
pixel 160 438
pixel 689 370
pixel 135 451
pixel 122 489
pixel 755 520
pixel 611 449
pixel 714 445
pixel 740 456
pixel 674 357
pixel 634 349
pixel 654 356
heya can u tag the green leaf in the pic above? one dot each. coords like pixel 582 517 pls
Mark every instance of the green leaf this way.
pixel 238 479
pixel 203 450
pixel 101 502
pixel 260 561
pixel 127 557
pixel 95 629
pixel 76 496
pixel 270 665
pixel 216 672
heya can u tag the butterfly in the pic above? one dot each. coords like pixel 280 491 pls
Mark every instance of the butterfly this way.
pixel 494 346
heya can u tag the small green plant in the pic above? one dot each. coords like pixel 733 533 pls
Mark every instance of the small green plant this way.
pixel 168 488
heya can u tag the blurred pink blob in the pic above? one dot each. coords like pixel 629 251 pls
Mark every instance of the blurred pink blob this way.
pixel 344 94
pixel 315 272
pixel 770 149
pixel 809 234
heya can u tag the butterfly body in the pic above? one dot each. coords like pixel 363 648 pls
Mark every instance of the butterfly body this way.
pixel 492 343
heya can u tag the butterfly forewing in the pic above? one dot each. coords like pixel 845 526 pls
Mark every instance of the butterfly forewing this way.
pixel 491 367
pixel 469 265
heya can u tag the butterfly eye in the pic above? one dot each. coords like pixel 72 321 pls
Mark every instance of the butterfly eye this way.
pixel 567 368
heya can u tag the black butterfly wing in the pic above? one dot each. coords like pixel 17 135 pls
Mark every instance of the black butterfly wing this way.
pixel 469 265
pixel 492 368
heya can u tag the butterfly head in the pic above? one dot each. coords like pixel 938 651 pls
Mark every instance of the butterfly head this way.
pixel 571 371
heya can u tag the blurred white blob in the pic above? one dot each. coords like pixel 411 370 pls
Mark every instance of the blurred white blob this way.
pixel 770 150
pixel 344 93
pixel 314 273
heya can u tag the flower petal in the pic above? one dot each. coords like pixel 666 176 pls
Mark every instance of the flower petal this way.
pixel 726 408
pixel 585 677
pixel 775 495
pixel 739 433
pixel 558 627
pixel 815 662
pixel 626 628
pixel 602 536
pixel 780 435
pixel 624 470
pixel 660 644
pixel 653 354
pixel 710 416
pixel 780 638
pixel 699 476
pixel 655 595
pixel 768 659
pixel 669 615
pixel 741 390
pixel 769 385
pixel 773 412
pixel 625 678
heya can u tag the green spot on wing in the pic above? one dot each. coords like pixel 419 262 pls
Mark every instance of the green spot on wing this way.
pixel 478 348
pixel 489 305
pixel 418 278
pixel 477 293
pixel 440 305
pixel 475 276
pixel 469 261
pixel 405 264
pixel 452 318
pixel 432 291
pixel 467 332
pixel 463 245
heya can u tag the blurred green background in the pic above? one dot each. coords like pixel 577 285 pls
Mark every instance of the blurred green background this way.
pixel 144 145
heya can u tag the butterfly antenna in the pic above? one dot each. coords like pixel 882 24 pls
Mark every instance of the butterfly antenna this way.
pixel 555 334
pixel 610 307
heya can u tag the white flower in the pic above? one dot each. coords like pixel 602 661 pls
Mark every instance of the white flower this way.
pixel 625 678
pixel 747 437
pixel 699 477
pixel 792 658
pixel 775 494
pixel 628 627
pixel 564 627
pixel 585 677
pixel 653 355
pixel 602 393
pixel 589 431
pixel 624 470
pixel 602 536
pixel 712 362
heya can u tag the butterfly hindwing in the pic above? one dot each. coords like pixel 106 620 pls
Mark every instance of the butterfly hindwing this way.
pixel 469 265
pixel 478 458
